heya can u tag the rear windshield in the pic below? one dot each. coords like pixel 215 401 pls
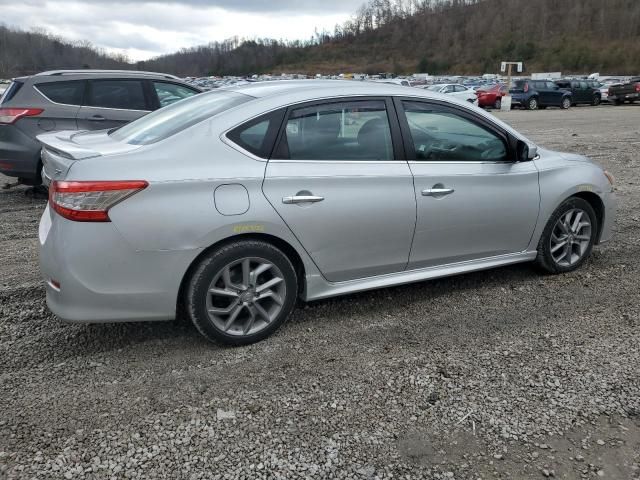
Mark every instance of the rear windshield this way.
pixel 174 118
pixel 10 92
pixel 519 84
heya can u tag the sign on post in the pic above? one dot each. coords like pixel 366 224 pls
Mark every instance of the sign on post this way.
pixel 507 67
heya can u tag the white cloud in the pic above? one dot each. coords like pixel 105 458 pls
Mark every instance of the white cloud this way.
pixel 145 29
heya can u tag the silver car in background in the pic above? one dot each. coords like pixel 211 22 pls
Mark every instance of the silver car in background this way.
pixel 233 204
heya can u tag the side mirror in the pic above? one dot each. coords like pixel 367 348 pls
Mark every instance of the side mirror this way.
pixel 525 152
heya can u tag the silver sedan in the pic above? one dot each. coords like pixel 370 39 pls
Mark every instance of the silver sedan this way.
pixel 233 204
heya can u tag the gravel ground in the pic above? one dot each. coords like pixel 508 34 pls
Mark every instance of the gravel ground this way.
pixel 498 374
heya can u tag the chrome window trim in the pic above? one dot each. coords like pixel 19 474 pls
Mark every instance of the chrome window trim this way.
pixel 35 87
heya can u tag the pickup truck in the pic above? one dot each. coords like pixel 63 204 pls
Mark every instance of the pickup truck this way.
pixel 630 91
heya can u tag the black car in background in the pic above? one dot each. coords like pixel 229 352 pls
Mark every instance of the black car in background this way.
pixel 535 94
pixel 75 100
pixel 582 91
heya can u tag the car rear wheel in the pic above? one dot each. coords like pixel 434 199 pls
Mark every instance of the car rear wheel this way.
pixel 532 104
pixel 242 292
pixel 568 238
pixel 566 104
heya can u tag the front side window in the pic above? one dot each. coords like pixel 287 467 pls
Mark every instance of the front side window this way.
pixel 170 120
pixel 442 135
pixel 169 93
pixel 68 93
pixel 121 94
pixel 357 130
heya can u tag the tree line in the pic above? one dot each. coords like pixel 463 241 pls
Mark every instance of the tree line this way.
pixel 401 36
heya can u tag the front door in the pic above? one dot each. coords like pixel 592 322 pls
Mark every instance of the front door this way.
pixel 336 182
pixel 473 200
pixel 113 102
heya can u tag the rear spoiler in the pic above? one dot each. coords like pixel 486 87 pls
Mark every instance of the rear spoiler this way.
pixel 62 144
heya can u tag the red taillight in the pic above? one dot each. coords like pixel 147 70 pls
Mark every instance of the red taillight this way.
pixel 90 201
pixel 12 115
pixel 526 87
pixel 637 87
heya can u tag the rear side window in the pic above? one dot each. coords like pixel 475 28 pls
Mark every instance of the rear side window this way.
pixel 169 93
pixel 258 135
pixel 10 92
pixel 357 130
pixel 69 93
pixel 175 118
pixel 122 94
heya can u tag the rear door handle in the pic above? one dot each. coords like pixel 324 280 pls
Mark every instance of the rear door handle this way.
pixel 97 118
pixel 437 192
pixel 302 199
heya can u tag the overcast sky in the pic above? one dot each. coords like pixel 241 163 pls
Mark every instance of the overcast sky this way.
pixel 144 29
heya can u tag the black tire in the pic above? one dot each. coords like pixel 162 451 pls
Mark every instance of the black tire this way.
pixel 532 103
pixel 566 103
pixel 596 100
pixel 545 261
pixel 212 264
pixel 498 104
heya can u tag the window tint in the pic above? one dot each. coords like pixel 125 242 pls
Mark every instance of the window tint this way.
pixel 170 120
pixel 257 136
pixel 69 93
pixel 124 94
pixel 551 85
pixel 583 85
pixel 10 92
pixel 169 93
pixel 440 135
pixel 357 130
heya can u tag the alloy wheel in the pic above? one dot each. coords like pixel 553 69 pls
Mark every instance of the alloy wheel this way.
pixel 246 296
pixel 570 237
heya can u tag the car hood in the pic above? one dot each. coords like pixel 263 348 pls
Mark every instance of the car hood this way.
pixel 546 154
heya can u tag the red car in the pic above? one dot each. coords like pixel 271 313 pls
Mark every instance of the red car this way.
pixel 491 96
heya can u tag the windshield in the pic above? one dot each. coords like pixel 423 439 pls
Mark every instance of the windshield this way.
pixel 174 118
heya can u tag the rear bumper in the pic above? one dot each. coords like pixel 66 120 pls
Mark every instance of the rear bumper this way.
pixel 92 275
pixel 628 96
pixel 19 154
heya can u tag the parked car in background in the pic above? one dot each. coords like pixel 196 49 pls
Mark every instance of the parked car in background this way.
pixel 456 91
pixel 625 92
pixel 236 202
pixel 75 100
pixel 491 96
pixel 535 94
pixel 582 91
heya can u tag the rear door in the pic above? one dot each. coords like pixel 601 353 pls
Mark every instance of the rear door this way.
pixel 113 102
pixel 338 180
pixel 65 99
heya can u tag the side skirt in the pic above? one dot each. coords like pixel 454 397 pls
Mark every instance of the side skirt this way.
pixel 318 288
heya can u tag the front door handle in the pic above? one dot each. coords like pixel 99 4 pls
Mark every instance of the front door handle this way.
pixel 97 118
pixel 302 199
pixel 437 192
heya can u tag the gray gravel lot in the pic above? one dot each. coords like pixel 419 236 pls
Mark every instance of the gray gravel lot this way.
pixel 498 374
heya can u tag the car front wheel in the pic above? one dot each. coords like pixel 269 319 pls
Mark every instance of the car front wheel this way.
pixel 242 292
pixel 568 238
pixel 566 103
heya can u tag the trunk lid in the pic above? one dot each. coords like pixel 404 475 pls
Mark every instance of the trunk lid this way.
pixel 60 150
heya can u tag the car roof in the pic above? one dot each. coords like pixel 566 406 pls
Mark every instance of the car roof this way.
pixel 323 88
pixel 84 74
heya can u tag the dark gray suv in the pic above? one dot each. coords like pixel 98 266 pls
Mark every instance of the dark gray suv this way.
pixel 75 100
